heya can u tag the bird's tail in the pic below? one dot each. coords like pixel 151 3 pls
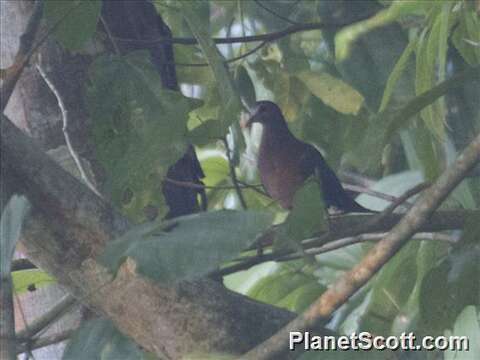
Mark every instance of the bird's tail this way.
pixel 334 193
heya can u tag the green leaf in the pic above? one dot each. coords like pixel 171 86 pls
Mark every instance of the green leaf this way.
pixel 288 288
pixel 24 279
pixel 11 222
pixel 391 292
pixel 339 261
pixel 245 85
pixel 79 22
pixel 290 94
pixel 396 74
pixel 230 99
pixel 467 324
pixel 271 289
pixel 426 259
pixel 425 53
pixel 332 91
pixel 368 153
pixel 452 284
pixel 191 55
pixel 308 215
pixel 430 60
pixel 206 133
pixel 215 167
pixel 349 355
pixel 99 339
pixel 345 38
pixel 139 129
pixel 426 149
pixel 329 129
pixel 209 356
pixel 466 37
pixel 231 105
pixel 187 247
pixel 444 29
pixel 302 297
pixel 293 57
pixel 244 281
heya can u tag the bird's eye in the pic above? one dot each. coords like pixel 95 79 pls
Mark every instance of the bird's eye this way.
pixel 261 109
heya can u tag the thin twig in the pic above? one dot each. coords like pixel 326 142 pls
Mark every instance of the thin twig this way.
pixel 193 185
pixel 340 243
pixel 229 33
pixel 365 190
pixel 45 341
pixel 252 38
pixel 274 13
pixel 43 322
pixel 255 187
pixel 233 175
pixel 110 36
pixel 336 295
pixel 228 61
pixel 22 264
pixel 356 178
pixel 29 354
pixel 378 219
pixel 65 119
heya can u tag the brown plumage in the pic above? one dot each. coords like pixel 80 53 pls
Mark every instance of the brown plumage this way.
pixel 284 163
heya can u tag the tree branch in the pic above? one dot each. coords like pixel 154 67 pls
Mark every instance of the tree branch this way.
pixel 340 243
pixel 252 38
pixel 48 318
pixel 321 310
pixel 38 343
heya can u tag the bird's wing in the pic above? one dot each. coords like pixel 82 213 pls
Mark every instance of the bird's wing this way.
pixel 313 162
pixel 333 192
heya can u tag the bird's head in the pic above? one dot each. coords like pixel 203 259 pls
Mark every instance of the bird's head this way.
pixel 266 113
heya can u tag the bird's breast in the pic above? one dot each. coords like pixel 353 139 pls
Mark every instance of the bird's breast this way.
pixel 280 174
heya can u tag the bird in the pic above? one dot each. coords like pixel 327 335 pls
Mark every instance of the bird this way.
pixel 285 163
